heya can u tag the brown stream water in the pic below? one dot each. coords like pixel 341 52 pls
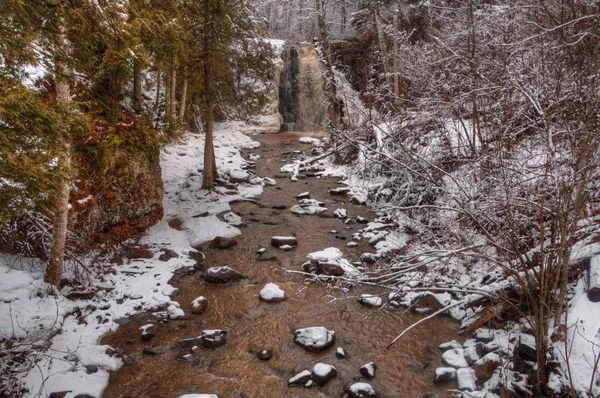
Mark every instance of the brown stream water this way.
pixel 234 370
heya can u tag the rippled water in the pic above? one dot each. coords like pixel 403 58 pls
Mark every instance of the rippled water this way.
pixel 252 325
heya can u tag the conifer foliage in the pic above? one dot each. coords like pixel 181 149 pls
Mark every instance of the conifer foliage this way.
pixel 80 76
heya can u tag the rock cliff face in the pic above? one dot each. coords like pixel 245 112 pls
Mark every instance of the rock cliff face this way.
pixel 120 199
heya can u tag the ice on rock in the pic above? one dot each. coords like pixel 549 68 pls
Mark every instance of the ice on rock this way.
pixel 254 156
pixel 331 254
pixel 269 181
pixel 307 210
pixel 251 145
pixel 455 357
pixel 237 176
pixel 310 202
pixel 233 219
pixel 352 244
pixel 300 379
pixel 465 378
pixel 443 375
pixel 449 345
pixel 340 213
pixel 272 293
pixel 286 247
pixel 370 300
pixel 303 195
pixel 315 338
pixel 175 312
pixel 361 390
pixel 279 241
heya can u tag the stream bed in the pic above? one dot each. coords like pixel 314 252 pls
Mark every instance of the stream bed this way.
pixel 405 369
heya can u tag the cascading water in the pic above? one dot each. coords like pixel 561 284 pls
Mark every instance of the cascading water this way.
pixel 301 90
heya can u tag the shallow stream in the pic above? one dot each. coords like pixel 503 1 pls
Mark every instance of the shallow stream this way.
pixel 406 369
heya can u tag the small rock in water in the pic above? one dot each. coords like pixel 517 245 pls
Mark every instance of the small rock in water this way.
pixel 455 357
pixel 370 300
pixel 212 338
pixel 269 181
pixel 271 293
pixel 465 378
pixel 352 244
pixel 307 210
pixel 333 231
pixel 198 396
pixel 175 312
pixel 286 248
pixel 303 195
pixel 261 250
pixel 233 219
pixel 148 331
pixel 339 191
pixel 340 213
pixel 222 275
pixel 443 375
pixel 300 379
pixel 361 220
pixel 157 350
pixel 368 370
pixel 199 305
pixel 322 373
pixel 220 242
pixel 264 355
pixel 449 345
pixel 279 241
pixel 361 390
pixel 238 176
pixel 314 338
pixel 368 258
pixel 340 353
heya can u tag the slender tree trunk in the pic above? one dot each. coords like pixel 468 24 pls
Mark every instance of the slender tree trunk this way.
pixel 329 76
pixel 168 117
pixel 173 93
pixel 158 88
pixel 210 173
pixel 344 16
pixel 61 211
pixel 382 47
pixel 137 86
pixel 183 102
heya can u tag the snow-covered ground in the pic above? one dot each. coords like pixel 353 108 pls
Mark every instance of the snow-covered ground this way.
pixel 59 337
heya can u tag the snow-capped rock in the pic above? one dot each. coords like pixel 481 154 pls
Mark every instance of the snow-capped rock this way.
pixel 314 338
pixel 271 293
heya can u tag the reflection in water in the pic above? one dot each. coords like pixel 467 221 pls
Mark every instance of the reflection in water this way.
pixel 252 325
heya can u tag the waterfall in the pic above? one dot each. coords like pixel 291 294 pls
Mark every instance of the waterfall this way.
pixel 301 90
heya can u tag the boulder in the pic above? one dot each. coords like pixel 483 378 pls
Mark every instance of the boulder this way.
pixel 486 366
pixel 300 379
pixel 449 345
pixel 279 241
pixel 221 242
pixel 361 390
pixel 212 338
pixel 368 370
pixel 465 378
pixel 443 375
pixel 199 305
pixel 222 275
pixel 526 348
pixel 473 353
pixel 322 373
pixel 271 293
pixel 314 338
pixel 455 357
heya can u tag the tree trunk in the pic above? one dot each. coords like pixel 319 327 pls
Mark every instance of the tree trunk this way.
pixel 168 99
pixel 173 116
pixel 158 87
pixel 183 102
pixel 61 212
pixel 210 173
pixel 137 86
pixel 329 76
pixel 382 46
